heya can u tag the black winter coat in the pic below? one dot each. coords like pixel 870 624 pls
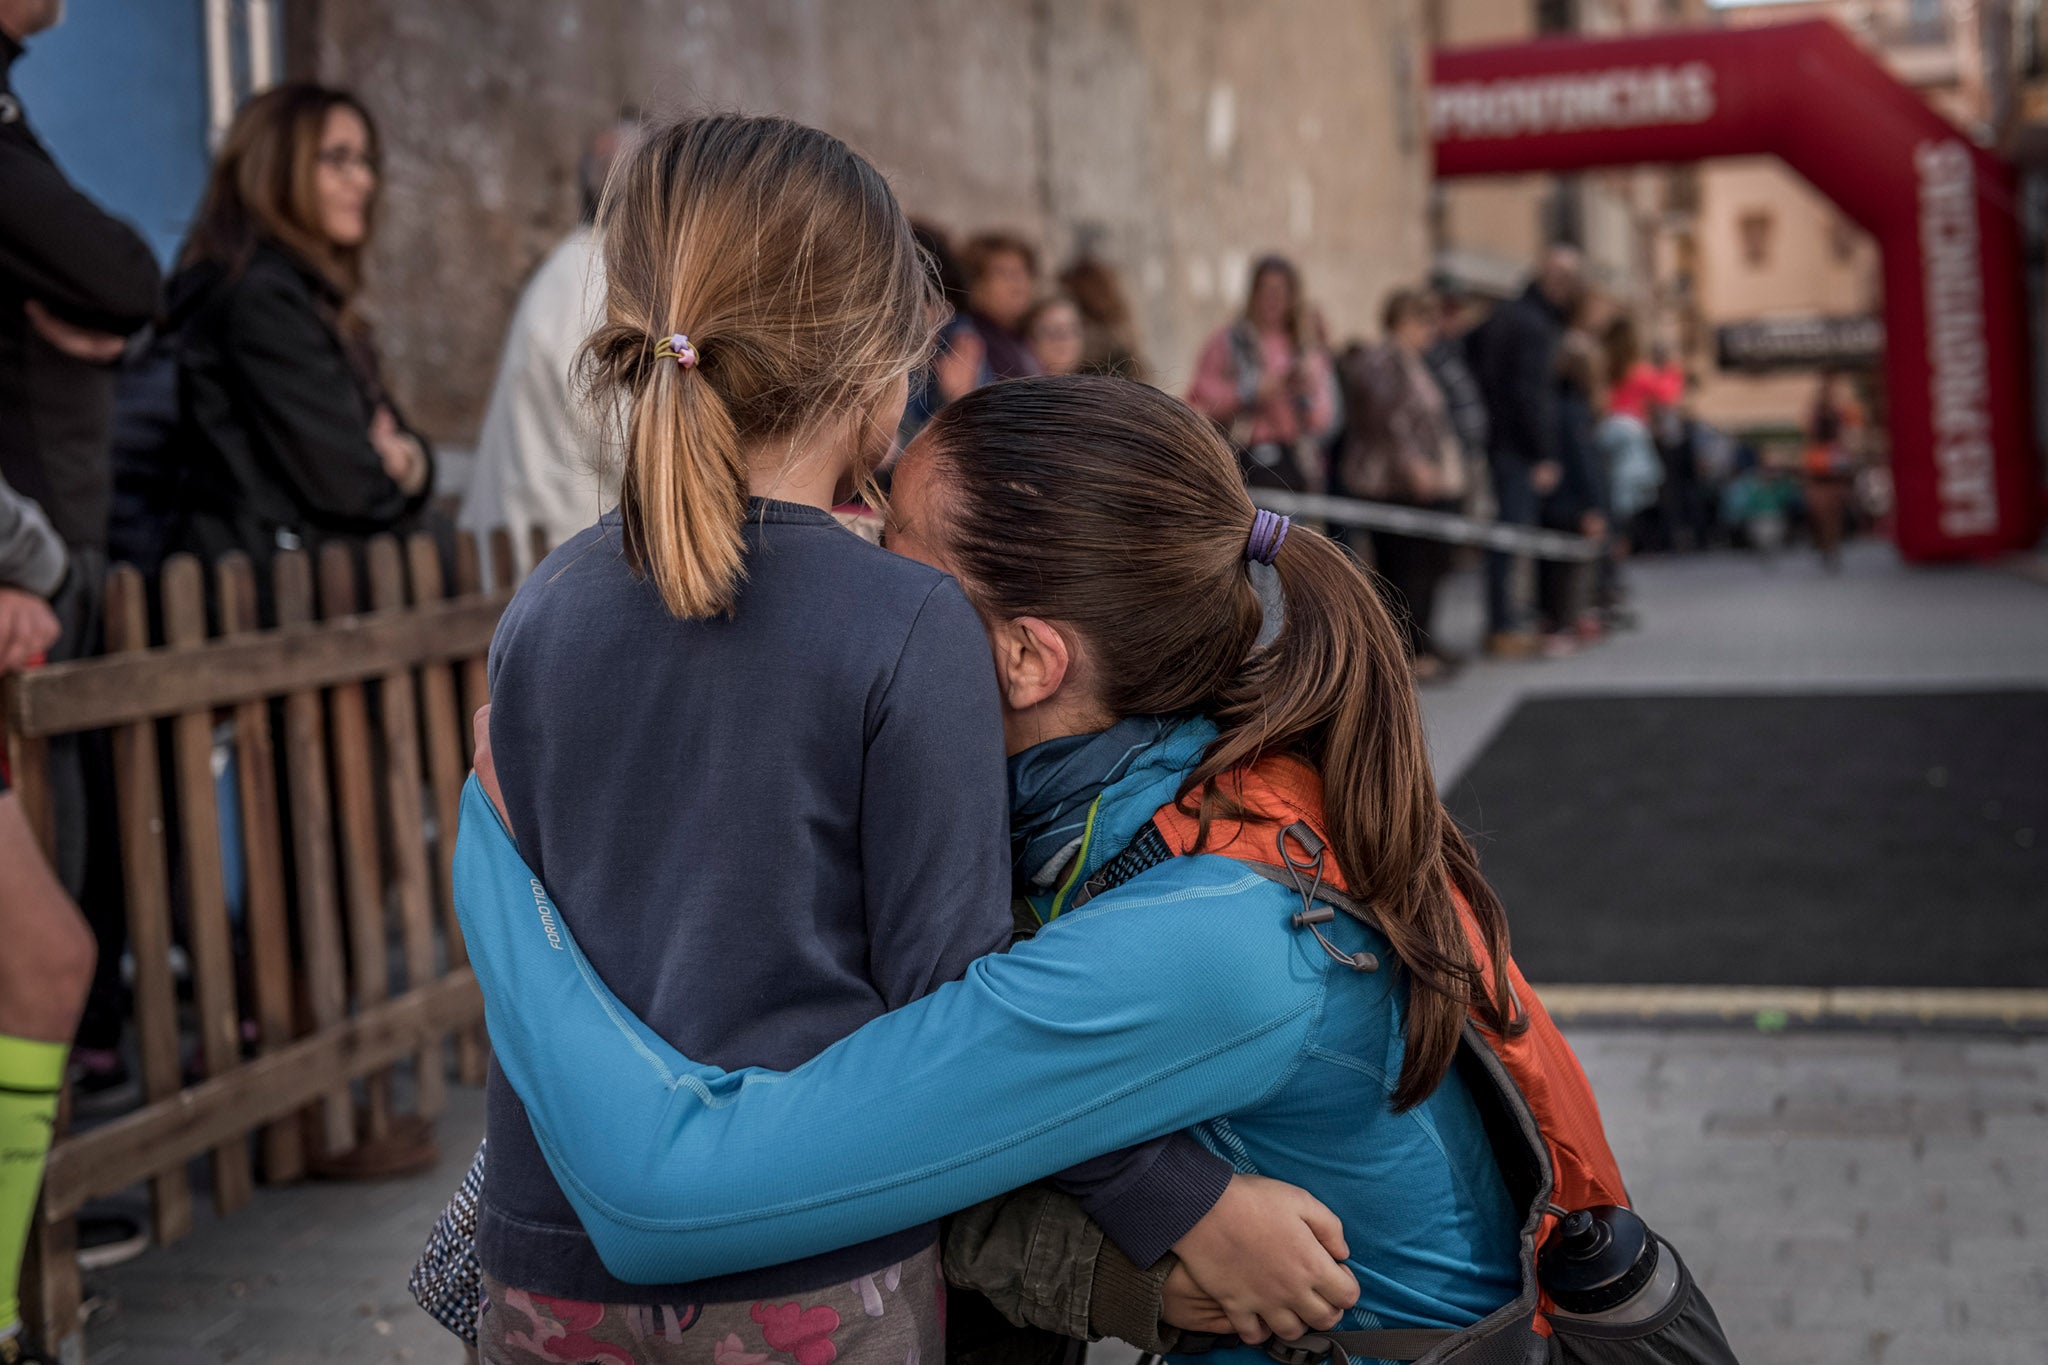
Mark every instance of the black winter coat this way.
pixel 1581 485
pixel 61 250
pixel 274 414
pixel 1513 355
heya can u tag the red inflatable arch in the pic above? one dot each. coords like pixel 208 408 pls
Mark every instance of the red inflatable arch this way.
pixel 1944 212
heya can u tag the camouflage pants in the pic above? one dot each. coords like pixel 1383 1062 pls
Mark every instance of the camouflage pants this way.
pixel 895 1316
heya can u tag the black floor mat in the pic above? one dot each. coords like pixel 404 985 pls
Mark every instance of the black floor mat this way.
pixel 1769 839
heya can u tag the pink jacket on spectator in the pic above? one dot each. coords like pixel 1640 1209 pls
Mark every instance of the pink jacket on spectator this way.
pixel 1221 389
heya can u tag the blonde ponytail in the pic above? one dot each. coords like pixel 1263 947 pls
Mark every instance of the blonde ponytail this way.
pixel 784 256
pixel 684 493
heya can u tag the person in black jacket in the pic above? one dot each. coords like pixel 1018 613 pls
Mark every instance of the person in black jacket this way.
pixel 1514 358
pixel 75 283
pixel 289 435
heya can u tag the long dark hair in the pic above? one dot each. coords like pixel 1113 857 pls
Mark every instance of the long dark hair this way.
pixel 1297 310
pixel 938 248
pixel 1119 514
pixel 1621 347
pixel 262 187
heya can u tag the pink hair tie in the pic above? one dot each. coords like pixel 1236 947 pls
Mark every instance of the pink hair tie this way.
pixel 678 348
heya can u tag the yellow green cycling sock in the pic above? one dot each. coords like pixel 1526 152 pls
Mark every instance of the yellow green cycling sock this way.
pixel 31 1073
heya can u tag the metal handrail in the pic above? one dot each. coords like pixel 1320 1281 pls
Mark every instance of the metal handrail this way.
pixel 1416 521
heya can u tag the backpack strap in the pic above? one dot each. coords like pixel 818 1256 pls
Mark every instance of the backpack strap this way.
pixel 1143 853
pixel 1150 848
pixel 1302 851
pixel 1341 1348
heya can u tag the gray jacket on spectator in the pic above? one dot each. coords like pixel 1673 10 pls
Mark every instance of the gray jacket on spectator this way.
pixel 1461 393
pixel 32 555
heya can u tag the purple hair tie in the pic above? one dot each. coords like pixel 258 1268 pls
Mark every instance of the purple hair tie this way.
pixel 1268 530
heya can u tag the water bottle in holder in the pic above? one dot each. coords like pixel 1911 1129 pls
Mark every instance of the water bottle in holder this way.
pixel 1604 1265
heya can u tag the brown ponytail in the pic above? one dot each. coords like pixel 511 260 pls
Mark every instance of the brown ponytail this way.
pixel 1118 514
pixel 782 255
pixel 1334 688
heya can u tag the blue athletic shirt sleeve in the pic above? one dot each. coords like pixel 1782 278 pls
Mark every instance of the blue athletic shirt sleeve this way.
pixel 1176 999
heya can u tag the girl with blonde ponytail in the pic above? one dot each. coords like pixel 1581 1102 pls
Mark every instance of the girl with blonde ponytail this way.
pixel 765 761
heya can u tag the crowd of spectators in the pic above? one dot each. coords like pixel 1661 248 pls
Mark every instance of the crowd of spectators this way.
pixel 1541 411
pixel 1002 321
pixel 238 408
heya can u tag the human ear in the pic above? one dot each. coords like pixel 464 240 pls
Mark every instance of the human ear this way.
pixel 1032 662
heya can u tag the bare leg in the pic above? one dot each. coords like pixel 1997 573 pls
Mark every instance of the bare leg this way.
pixel 45 971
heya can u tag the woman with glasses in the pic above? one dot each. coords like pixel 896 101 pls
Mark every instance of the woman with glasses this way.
pixel 287 436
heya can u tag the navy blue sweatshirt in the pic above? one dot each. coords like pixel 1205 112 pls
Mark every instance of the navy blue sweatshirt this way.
pixel 772 827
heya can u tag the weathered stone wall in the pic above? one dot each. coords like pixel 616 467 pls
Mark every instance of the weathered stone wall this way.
pixel 1181 137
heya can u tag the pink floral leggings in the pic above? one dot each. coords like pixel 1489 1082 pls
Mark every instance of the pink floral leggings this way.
pixel 896 1316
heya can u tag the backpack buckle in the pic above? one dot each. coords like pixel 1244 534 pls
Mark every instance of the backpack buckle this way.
pixel 1312 1349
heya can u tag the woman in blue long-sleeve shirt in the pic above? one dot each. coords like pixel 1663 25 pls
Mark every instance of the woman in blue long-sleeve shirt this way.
pixel 1101 531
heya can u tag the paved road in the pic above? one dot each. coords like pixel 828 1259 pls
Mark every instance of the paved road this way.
pixel 1848 1198
pixel 1729 623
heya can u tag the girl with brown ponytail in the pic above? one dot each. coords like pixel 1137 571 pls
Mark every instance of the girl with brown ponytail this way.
pixel 1116 514
pixel 1167 657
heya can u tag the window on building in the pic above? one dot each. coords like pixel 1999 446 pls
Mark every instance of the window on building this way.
pixel 1755 228
pixel 1842 240
pixel 1682 189
pixel 1564 212
pixel 1926 21
pixel 1557 16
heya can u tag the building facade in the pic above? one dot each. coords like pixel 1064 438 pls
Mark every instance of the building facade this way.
pixel 1178 139
pixel 1487 233
pixel 1770 248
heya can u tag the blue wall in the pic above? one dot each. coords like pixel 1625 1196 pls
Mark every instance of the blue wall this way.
pixel 117 92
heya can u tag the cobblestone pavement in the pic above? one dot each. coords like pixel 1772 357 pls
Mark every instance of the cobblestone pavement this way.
pixel 1848 1198
pixel 312 1272
pixel 1844 1197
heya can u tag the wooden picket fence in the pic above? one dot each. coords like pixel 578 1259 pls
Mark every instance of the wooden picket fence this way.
pixel 351 741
